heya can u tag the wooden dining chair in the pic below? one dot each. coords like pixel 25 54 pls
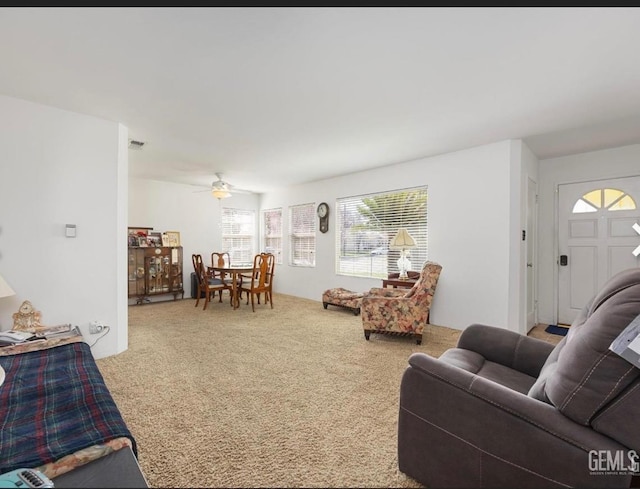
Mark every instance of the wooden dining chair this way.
pixel 261 279
pixel 206 284
pixel 222 259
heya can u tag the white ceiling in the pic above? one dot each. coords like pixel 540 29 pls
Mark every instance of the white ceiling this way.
pixel 278 96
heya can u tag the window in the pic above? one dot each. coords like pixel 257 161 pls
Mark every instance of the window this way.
pixel 272 232
pixel 302 235
pixel 238 231
pixel 366 225
pixel 609 199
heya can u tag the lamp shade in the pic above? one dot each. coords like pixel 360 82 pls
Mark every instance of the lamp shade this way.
pixel 402 240
pixel 5 290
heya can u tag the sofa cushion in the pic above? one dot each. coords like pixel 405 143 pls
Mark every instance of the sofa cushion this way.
pixel 548 369
pixel 582 375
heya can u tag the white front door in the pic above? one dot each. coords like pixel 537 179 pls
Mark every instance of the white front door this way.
pixel 596 238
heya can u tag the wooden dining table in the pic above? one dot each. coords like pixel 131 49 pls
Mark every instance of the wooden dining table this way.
pixel 233 271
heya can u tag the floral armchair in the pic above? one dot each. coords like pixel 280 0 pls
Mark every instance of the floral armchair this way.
pixel 398 311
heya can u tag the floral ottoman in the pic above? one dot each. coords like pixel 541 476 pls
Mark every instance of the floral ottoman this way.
pixel 343 298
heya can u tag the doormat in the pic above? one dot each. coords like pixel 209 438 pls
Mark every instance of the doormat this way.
pixel 553 329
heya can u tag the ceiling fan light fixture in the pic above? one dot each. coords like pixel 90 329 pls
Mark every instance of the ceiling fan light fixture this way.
pixel 220 193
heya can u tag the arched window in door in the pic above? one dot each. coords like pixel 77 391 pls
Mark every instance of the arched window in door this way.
pixel 609 199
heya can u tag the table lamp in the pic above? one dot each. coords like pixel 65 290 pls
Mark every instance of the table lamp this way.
pixel 403 241
pixel 5 290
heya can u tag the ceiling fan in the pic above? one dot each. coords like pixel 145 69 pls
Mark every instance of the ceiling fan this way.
pixel 221 189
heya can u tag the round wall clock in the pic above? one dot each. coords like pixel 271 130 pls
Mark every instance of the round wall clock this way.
pixel 323 210
pixel 323 215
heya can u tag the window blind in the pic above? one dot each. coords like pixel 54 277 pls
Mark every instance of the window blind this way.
pixel 238 233
pixel 272 232
pixel 366 225
pixel 302 235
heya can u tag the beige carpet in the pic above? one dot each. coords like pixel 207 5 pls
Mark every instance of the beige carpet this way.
pixel 289 397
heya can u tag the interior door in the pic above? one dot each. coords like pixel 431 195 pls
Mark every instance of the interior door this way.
pixel 596 238
pixel 530 242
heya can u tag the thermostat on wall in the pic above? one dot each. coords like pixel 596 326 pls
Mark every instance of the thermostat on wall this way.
pixel 70 230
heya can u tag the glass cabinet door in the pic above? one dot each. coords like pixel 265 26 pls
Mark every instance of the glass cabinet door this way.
pixel 175 272
pixel 157 271
pixel 136 273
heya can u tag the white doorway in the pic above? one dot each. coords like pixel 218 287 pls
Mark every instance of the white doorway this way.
pixel 596 238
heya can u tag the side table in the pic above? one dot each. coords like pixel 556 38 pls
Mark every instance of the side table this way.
pixel 397 283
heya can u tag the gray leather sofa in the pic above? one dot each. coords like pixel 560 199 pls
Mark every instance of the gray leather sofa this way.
pixel 505 410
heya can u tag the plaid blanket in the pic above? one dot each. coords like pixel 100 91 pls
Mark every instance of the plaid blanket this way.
pixel 54 402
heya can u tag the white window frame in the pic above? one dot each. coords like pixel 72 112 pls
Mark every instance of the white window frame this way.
pixel 362 243
pixel 584 204
pixel 302 235
pixel 238 234
pixel 272 235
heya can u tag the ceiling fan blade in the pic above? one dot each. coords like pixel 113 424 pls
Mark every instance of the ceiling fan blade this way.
pixel 223 185
pixel 231 191
pixel 236 190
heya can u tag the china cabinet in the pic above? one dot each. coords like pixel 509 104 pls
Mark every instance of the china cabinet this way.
pixel 155 271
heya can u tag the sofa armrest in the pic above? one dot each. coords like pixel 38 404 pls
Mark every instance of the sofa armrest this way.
pixel 500 437
pixel 513 350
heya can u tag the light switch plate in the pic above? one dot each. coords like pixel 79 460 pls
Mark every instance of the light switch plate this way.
pixel 70 230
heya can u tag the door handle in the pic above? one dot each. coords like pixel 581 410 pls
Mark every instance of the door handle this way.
pixel 564 260
pixel 530 265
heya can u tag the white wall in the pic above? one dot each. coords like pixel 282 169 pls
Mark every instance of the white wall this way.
pixel 58 168
pixel 196 215
pixel 610 163
pixel 121 237
pixel 469 210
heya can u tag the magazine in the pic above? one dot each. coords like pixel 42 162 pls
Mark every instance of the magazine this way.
pixel 627 344
pixel 52 330
pixel 13 337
